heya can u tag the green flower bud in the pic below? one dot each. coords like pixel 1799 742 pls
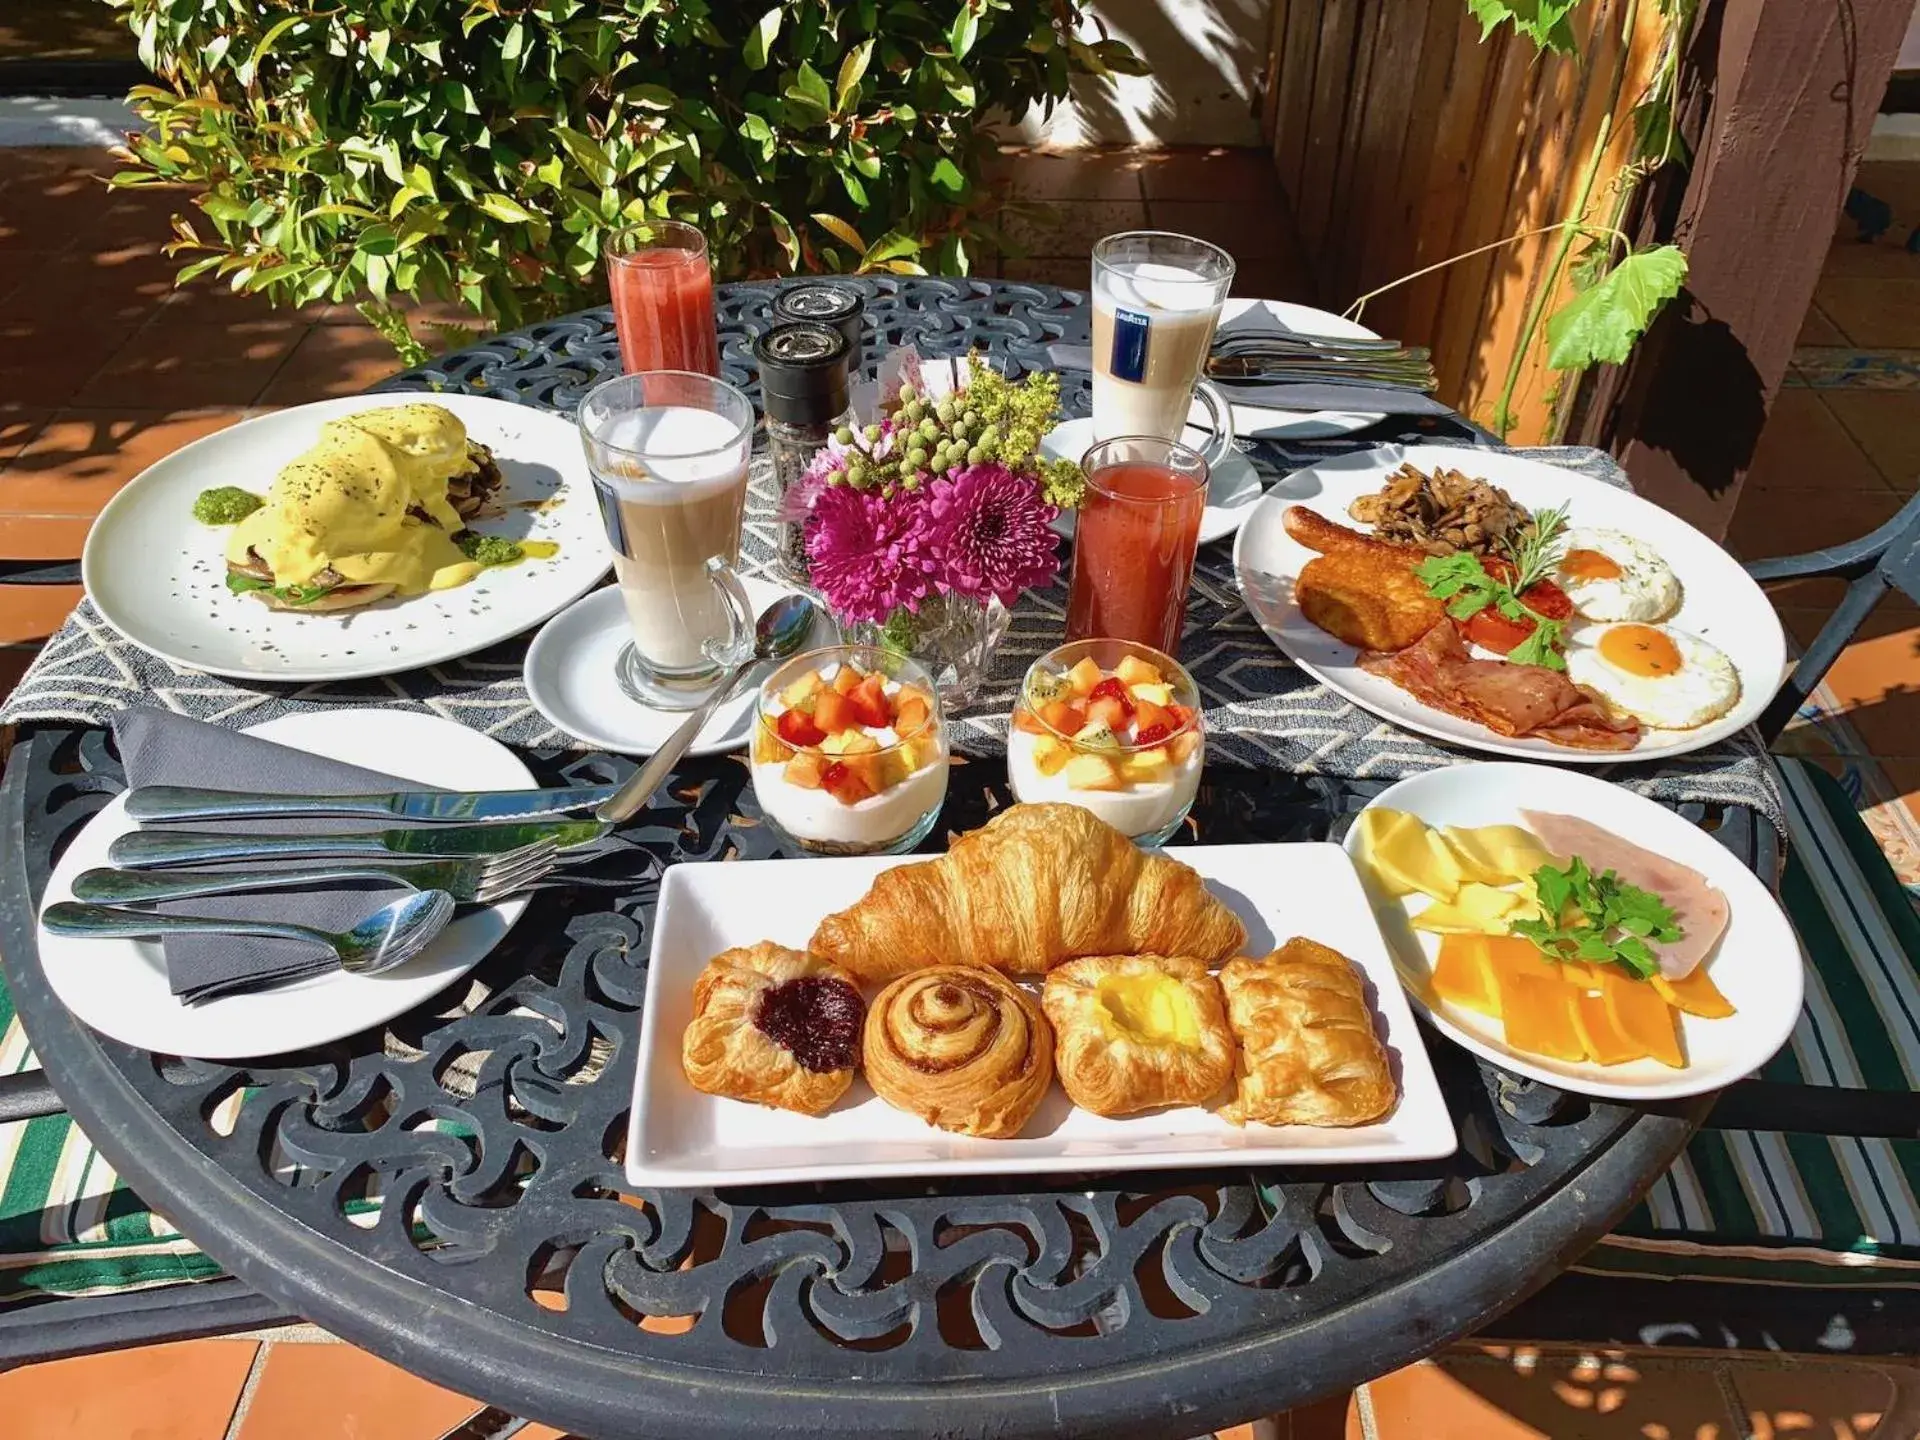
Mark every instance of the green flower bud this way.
pixel 844 434
pixel 972 416
pixel 917 458
pixel 886 492
pixel 961 429
pixel 944 410
pixel 907 393
pixel 873 434
pixel 840 477
pixel 912 482
pixel 976 455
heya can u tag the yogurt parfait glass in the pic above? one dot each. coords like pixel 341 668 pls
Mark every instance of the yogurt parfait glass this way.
pixel 1112 726
pixel 849 752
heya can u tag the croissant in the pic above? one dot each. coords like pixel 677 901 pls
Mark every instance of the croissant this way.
pixel 1309 1053
pixel 1134 1032
pixel 962 1048
pixel 1037 885
pixel 774 1026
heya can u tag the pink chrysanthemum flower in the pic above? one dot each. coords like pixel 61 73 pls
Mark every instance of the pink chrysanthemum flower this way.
pixel 868 555
pixel 990 533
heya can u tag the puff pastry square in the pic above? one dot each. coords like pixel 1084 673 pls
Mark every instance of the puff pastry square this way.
pixel 1309 1055
pixel 775 1026
pixel 1135 1032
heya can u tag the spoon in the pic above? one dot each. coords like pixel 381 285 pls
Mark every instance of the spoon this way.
pixel 390 936
pixel 782 628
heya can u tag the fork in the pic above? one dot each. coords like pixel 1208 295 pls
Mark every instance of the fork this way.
pixel 1269 343
pixel 481 880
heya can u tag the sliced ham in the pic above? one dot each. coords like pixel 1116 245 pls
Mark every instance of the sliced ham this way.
pixel 1700 909
pixel 1508 699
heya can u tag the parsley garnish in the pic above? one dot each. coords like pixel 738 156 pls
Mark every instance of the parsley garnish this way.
pixel 293 594
pixel 1616 919
pixel 1467 588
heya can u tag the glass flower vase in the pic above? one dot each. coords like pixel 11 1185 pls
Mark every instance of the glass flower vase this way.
pixel 951 637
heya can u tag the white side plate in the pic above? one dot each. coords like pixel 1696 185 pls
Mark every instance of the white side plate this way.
pixel 679 1136
pixel 1721 603
pixel 1757 967
pixel 159 576
pixel 1259 422
pixel 120 986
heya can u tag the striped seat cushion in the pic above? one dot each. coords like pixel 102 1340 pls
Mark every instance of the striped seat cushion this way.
pixel 1801 1208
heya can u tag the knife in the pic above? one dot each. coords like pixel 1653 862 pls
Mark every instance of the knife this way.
pixel 180 802
pixel 190 847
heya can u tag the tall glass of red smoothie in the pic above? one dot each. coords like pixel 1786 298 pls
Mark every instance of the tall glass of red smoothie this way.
pixel 1137 532
pixel 662 290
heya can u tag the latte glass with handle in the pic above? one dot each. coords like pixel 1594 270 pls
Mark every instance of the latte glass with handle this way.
pixel 1156 301
pixel 668 450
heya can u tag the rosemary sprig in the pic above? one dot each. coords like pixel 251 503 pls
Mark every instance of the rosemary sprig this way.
pixel 1539 549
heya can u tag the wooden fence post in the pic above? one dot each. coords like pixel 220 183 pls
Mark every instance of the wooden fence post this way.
pixel 1794 88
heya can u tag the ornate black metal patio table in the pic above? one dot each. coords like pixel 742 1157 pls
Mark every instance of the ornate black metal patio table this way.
pixel 509 1260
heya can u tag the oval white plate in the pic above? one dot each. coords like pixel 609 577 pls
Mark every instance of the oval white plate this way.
pixel 1232 490
pixel 570 679
pixel 119 987
pixel 1258 422
pixel 1721 603
pixel 158 576
pixel 1757 966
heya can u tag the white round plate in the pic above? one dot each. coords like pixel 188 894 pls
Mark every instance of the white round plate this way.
pixel 1258 422
pixel 1720 603
pixel 1757 966
pixel 119 987
pixel 570 678
pixel 1232 490
pixel 159 576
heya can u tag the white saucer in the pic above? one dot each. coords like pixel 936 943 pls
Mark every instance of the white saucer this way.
pixel 1232 491
pixel 570 679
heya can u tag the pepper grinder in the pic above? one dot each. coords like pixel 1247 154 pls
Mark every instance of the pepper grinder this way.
pixel 803 389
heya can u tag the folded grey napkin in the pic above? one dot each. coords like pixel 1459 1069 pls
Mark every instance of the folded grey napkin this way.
pixel 1292 394
pixel 161 748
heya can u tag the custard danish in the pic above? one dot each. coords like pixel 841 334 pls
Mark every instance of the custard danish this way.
pixel 963 1048
pixel 1135 1032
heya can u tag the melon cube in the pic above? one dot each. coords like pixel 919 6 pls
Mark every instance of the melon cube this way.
pixel 769 748
pixel 799 695
pixel 846 680
pixel 1050 755
pixel 805 769
pixel 1135 671
pixel 1084 676
pixel 1093 772
pixel 1150 693
pixel 1148 767
pixel 1183 745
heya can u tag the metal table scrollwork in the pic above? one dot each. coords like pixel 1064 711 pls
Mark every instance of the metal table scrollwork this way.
pixel 508 1259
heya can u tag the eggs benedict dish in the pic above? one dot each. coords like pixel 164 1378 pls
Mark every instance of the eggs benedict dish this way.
pixel 374 509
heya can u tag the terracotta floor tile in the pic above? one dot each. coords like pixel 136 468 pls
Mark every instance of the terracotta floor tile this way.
pixel 1897 182
pixel 21 267
pixel 1071 227
pixel 1803 622
pixel 1872 311
pixel 1207 172
pixel 170 365
pixel 336 1392
pixel 1098 175
pixel 142 216
pixel 29 614
pixel 1786 522
pixel 52 210
pixel 1806 447
pixel 1878 681
pixel 1325 1420
pixel 208 300
pixel 332 360
pixel 82 456
pixel 45 362
pixel 1887 258
pixel 1254 227
pixel 1817 1402
pixel 14 660
pixel 105 291
pixel 1823 595
pixel 1424 1402
pixel 183 1391
pixel 18 425
pixel 1886 423
pixel 1817 329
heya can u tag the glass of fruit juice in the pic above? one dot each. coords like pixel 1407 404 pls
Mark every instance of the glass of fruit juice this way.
pixel 1137 530
pixel 662 290
pixel 1114 727
pixel 850 752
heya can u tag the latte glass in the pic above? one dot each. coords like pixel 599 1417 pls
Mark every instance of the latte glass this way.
pixel 1156 300
pixel 668 450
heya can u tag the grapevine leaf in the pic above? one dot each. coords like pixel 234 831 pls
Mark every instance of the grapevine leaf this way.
pixel 760 39
pixel 1602 324
pixel 1542 21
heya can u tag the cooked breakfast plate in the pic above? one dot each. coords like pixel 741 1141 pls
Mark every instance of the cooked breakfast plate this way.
pixel 162 577
pixel 752 911
pixel 1661 643
pixel 1668 969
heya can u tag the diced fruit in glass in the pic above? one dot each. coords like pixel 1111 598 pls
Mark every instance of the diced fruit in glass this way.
pixel 846 783
pixel 1182 715
pixel 1148 767
pixel 1151 694
pixel 910 715
pixel 1183 745
pixel 800 693
pixel 1050 756
pixel 1084 676
pixel 1025 719
pixel 869 701
pixel 832 712
pixel 767 747
pixel 1112 689
pixel 850 742
pixel 1093 772
pixel 1064 716
pixel 805 770
pixel 1135 671
pixel 845 680
pixel 1146 713
pixel 1112 713
pixel 1096 735
pixel 798 729
pixel 1045 685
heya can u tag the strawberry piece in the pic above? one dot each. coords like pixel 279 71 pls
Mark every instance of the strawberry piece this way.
pixel 845 783
pixel 798 729
pixel 1113 713
pixel 1111 688
pixel 832 712
pixel 869 702
pixel 1025 719
pixel 1153 734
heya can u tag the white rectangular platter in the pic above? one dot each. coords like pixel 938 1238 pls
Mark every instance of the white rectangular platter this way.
pixel 677 1136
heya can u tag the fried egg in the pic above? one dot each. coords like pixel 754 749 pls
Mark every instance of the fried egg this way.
pixel 1609 575
pixel 1662 677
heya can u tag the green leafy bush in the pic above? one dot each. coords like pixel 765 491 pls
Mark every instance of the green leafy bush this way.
pixel 484 150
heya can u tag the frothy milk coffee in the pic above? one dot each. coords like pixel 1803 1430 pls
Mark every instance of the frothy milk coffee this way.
pixel 1152 326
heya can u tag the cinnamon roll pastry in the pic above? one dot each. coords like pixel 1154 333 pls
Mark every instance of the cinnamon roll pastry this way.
pixel 1036 885
pixel 1309 1054
pixel 775 1026
pixel 1132 1032
pixel 963 1048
